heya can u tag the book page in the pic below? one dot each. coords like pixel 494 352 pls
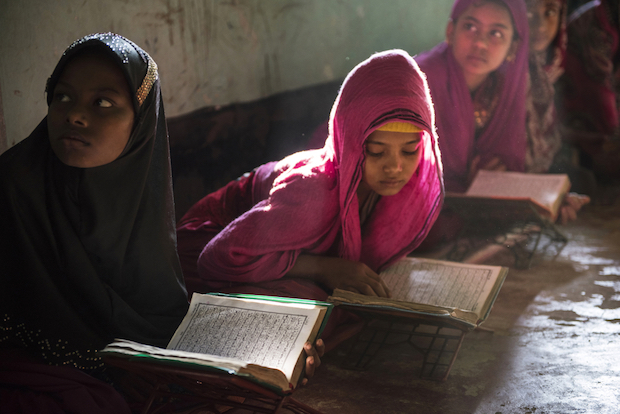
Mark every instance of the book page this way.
pixel 134 351
pixel 441 283
pixel 258 332
pixel 131 348
pixel 544 189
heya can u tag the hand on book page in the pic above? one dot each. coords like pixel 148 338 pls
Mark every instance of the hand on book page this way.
pixel 571 204
pixel 337 273
pixel 463 293
pixel 313 358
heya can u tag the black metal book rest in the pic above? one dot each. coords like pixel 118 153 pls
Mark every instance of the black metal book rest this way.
pixel 515 224
pixel 437 339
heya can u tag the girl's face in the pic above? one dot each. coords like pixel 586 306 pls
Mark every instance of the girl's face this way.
pixel 544 19
pixel 391 160
pixel 481 39
pixel 91 115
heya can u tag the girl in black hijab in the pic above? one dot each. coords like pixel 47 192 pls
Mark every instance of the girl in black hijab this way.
pixel 87 234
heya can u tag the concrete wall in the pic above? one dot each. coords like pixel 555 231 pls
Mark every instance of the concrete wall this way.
pixel 210 52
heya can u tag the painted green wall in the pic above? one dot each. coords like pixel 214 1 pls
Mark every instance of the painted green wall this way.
pixel 210 52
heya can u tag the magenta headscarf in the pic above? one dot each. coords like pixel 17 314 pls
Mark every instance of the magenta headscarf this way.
pixel 312 207
pixel 504 135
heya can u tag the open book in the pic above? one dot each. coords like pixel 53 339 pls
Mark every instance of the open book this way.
pixel 257 337
pixel 463 293
pixel 545 192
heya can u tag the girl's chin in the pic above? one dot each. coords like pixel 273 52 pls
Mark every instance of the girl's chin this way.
pixel 540 45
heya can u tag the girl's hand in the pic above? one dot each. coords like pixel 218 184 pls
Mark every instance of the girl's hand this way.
pixel 571 205
pixel 337 273
pixel 313 358
pixel 355 277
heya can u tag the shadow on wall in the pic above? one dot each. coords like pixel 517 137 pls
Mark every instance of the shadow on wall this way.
pixel 213 145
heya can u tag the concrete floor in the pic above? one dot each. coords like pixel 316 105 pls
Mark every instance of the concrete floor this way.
pixel 555 345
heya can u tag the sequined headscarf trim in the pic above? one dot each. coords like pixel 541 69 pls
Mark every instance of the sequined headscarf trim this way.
pixel 123 50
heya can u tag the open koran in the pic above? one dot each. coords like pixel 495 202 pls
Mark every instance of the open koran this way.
pixel 257 337
pixel 463 293
pixel 544 191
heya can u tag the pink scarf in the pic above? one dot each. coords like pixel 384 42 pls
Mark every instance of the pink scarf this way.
pixel 307 202
pixel 504 135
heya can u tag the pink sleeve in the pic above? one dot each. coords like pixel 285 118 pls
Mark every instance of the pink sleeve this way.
pixel 262 244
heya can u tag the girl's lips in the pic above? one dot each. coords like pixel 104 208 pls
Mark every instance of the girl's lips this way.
pixel 391 183
pixel 73 136
pixel 73 140
pixel 474 58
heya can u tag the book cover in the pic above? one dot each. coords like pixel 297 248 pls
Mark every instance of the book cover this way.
pixel 545 191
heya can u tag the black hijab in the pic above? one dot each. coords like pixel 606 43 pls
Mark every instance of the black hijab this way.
pixel 89 254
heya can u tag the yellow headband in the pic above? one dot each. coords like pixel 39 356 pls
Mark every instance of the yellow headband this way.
pixel 399 127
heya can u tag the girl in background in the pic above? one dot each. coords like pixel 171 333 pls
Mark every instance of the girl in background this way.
pixel 546 63
pixel 478 79
pixel 546 151
pixel 589 89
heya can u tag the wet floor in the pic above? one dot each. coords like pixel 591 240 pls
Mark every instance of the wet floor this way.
pixel 554 345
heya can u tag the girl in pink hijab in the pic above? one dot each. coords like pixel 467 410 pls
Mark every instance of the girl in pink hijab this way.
pixel 478 81
pixel 332 217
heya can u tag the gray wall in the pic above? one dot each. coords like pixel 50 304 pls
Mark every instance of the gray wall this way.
pixel 210 52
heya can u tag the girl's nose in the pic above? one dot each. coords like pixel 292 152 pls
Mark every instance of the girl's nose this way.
pixel 535 22
pixel 76 115
pixel 393 164
pixel 481 41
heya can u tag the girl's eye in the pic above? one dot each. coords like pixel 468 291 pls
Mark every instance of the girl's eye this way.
pixel 104 103
pixel 469 27
pixel 373 154
pixel 369 150
pixel 62 97
pixel 551 12
pixel 411 149
pixel 497 34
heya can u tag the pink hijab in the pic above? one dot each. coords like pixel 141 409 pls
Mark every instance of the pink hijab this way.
pixel 311 206
pixel 504 136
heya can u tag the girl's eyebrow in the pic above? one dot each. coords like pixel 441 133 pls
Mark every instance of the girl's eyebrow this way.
pixel 99 90
pixel 473 19
pixel 107 89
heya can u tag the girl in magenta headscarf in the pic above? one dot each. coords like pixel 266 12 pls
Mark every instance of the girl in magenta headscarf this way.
pixel 478 81
pixel 332 217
